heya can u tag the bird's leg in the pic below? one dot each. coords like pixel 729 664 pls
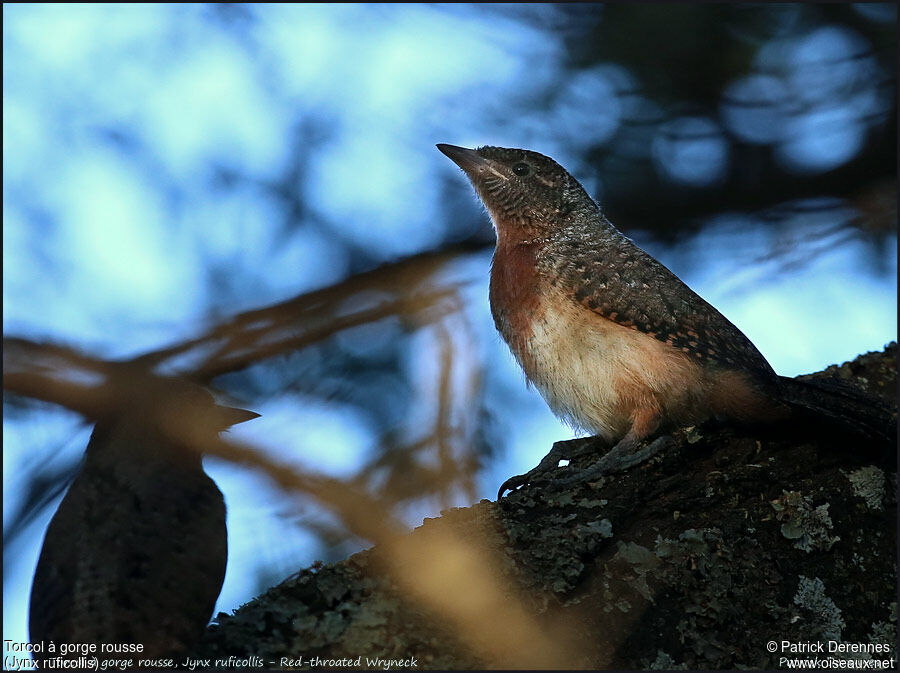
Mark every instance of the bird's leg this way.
pixel 568 449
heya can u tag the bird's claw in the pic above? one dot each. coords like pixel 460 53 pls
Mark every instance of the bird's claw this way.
pixel 512 484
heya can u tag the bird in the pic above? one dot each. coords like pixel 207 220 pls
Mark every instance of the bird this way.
pixel 615 342
pixel 137 549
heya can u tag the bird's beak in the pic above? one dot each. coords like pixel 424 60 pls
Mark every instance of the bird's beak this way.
pixel 232 415
pixel 468 160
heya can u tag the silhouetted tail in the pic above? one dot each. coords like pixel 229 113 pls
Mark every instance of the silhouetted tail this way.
pixel 844 408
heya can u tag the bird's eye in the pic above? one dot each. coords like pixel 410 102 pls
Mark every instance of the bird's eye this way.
pixel 521 169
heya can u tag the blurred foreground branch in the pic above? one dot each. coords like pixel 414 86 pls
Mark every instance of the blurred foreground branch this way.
pixel 408 289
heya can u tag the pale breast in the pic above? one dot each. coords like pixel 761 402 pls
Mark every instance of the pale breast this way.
pixel 595 374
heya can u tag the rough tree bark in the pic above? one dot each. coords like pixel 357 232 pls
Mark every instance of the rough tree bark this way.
pixel 697 559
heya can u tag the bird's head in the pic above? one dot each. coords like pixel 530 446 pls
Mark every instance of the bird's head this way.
pixel 527 194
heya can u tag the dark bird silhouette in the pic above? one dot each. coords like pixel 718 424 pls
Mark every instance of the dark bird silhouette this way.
pixel 612 339
pixel 136 552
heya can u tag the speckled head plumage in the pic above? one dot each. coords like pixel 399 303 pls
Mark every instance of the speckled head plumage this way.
pixel 522 189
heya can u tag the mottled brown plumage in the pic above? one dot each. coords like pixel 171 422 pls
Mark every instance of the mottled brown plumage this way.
pixel 615 342
pixel 136 551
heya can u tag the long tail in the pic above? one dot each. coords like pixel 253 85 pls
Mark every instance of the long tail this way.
pixel 843 408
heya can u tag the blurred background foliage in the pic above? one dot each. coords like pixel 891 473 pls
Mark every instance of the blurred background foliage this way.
pixel 169 167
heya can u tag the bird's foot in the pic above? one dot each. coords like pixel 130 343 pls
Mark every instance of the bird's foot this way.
pixel 568 449
pixel 618 459
pixel 624 455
